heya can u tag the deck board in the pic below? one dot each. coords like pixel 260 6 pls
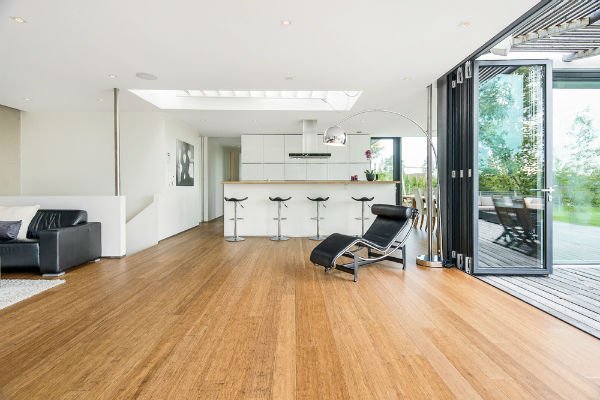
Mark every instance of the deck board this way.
pixel 571 294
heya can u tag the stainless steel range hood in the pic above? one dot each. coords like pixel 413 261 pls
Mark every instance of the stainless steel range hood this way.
pixel 310 140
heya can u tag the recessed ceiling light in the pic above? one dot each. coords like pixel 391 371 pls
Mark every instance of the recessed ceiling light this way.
pixel 27 98
pixel 406 78
pixel 146 76
pixel 289 78
pixel 286 22
pixel 19 20
pixel 112 76
pixel 464 24
pixel 101 100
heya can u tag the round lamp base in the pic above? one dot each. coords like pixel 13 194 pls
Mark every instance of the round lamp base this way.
pixel 424 261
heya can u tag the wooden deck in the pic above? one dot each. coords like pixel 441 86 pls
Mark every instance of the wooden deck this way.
pixel 196 317
pixel 571 294
pixel 493 254
pixel 572 244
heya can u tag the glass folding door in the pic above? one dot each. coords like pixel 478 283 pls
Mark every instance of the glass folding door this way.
pixel 512 178
pixel 576 121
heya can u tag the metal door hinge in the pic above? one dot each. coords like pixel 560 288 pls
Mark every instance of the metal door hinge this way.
pixel 460 261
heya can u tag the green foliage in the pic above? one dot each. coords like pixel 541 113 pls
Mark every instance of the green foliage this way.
pixel 510 132
pixel 578 178
pixel 417 181
pixel 511 148
pixel 384 164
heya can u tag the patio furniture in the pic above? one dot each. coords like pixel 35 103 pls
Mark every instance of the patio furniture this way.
pixel 420 206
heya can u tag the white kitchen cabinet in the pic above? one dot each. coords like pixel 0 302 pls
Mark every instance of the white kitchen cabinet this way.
pixel 273 172
pixel 358 145
pixel 252 172
pixel 316 172
pixel 338 172
pixel 320 148
pixel 295 172
pixel 293 144
pixel 358 169
pixel 339 154
pixel 252 148
pixel 273 148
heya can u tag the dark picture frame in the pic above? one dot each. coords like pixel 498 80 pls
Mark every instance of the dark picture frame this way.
pixel 184 174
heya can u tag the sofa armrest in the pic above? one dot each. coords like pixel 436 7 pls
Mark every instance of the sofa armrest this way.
pixel 63 248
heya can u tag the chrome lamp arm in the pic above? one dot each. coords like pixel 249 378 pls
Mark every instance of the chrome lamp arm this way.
pixel 428 259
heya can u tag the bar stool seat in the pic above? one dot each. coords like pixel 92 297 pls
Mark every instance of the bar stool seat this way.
pixel 318 218
pixel 236 201
pixel 279 200
pixel 362 217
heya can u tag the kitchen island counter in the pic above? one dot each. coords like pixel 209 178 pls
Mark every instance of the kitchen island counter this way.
pixel 305 182
pixel 340 210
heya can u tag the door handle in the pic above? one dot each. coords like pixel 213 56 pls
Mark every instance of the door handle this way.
pixel 545 190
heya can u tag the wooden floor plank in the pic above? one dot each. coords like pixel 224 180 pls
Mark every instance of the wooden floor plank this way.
pixel 198 317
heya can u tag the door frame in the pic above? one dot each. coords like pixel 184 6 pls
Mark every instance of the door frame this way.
pixel 547 239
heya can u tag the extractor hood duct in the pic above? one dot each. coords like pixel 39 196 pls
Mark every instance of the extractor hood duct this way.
pixel 310 139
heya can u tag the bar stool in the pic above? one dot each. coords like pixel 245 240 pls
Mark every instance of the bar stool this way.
pixel 279 200
pixel 318 236
pixel 362 217
pixel 235 218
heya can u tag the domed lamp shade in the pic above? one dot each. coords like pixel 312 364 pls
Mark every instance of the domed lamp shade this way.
pixel 334 136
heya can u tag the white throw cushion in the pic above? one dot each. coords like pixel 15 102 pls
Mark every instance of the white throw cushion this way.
pixel 19 213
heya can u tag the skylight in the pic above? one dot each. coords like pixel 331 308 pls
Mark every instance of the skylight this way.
pixel 251 100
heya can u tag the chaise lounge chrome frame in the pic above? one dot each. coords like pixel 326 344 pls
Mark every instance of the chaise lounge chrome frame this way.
pixel 375 252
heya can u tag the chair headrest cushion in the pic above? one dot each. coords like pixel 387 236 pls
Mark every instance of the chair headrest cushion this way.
pixel 392 211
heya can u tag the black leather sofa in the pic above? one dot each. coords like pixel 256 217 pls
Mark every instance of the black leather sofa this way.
pixel 56 241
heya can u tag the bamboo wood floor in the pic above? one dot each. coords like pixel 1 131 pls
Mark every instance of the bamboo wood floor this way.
pixel 200 318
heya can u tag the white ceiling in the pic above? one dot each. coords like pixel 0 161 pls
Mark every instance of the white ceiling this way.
pixel 390 49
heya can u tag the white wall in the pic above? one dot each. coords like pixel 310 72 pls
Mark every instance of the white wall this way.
pixel 180 207
pixel 10 126
pixel 142 159
pixel 215 171
pixel 67 153
pixel 72 153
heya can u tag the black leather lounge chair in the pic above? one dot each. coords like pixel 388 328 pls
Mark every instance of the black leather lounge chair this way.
pixel 383 236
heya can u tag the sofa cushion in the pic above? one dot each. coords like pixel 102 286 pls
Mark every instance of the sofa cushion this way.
pixel 19 213
pixel 52 219
pixel 20 253
pixel 9 229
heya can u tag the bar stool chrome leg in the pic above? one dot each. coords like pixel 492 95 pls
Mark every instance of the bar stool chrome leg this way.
pixel 279 236
pixel 235 219
pixel 318 218
pixel 362 217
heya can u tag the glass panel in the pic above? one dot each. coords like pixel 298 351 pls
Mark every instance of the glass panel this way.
pixel 511 166
pixel 576 215
pixel 382 158
pixel 414 165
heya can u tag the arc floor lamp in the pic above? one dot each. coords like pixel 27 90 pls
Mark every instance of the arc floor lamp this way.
pixel 336 136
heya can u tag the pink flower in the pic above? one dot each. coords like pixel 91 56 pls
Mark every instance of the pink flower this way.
pixel 368 154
